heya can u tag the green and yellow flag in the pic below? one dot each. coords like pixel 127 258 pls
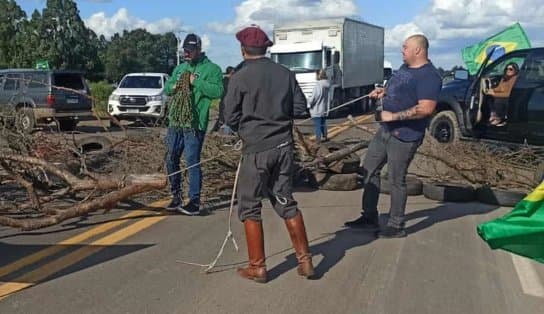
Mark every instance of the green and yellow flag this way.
pixel 522 230
pixel 512 38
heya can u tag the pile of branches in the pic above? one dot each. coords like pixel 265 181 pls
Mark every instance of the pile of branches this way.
pixel 475 163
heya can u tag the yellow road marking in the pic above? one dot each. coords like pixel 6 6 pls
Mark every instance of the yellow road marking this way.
pixel 35 276
pixel 54 249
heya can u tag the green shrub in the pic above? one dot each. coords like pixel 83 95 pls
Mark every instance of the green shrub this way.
pixel 101 91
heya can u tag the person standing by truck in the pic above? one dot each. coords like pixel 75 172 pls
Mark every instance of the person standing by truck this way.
pixel 319 104
pixel 260 105
pixel 193 85
pixel 408 101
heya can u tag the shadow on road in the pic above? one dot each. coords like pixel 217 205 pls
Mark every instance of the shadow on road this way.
pixel 334 249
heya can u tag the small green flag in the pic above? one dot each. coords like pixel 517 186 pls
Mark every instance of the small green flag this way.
pixel 512 38
pixel 522 230
pixel 42 65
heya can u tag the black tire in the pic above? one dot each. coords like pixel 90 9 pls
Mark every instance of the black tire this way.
pixel 25 120
pixel 94 145
pixel 499 197
pixel 444 127
pixel 414 186
pixel 449 192
pixel 337 182
pixel 67 124
pixel 539 174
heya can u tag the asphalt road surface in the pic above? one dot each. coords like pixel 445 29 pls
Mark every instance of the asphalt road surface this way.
pixel 130 261
pixel 134 260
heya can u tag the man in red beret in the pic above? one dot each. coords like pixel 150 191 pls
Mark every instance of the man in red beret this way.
pixel 260 104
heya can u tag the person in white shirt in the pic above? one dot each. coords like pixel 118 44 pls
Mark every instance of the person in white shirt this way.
pixel 318 105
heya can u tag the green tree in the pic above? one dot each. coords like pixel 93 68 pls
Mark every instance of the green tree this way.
pixel 139 51
pixel 12 20
pixel 68 42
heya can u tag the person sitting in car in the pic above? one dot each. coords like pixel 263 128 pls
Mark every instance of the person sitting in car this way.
pixel 501 93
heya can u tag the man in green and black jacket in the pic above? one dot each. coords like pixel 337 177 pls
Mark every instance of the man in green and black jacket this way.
pixel 188 114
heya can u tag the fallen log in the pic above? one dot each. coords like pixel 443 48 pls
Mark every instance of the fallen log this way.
pixel 141 184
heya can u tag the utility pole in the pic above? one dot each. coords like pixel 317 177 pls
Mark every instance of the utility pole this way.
pixel 178 33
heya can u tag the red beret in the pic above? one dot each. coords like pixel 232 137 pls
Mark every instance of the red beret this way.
pixel 253 36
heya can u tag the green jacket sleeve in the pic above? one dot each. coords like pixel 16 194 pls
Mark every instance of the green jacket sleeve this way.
pixel 171 83
pixel 211 86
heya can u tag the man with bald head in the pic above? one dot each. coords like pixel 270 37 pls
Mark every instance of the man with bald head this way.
pixel 409 99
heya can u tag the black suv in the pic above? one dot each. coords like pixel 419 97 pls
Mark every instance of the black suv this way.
pixel 43 96
pixel 463 110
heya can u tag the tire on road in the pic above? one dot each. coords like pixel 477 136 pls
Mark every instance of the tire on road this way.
pixel 414 186
pixel 337 182
pixel 95 144
pixel 449 192
pixel 444 127
pixel 492 196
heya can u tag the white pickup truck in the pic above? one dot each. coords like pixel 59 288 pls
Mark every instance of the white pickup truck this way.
pixel 139 96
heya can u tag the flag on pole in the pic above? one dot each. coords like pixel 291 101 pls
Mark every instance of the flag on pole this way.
pixel 511 38
pixel 522 230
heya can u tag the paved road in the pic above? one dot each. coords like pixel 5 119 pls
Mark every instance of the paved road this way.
pixel 115 264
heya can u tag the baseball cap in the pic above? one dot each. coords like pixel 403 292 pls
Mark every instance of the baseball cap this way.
pixel 192 42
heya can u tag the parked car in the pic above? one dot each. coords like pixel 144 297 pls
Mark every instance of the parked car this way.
pixel 139 96
pixel 44 96
pixel 463 110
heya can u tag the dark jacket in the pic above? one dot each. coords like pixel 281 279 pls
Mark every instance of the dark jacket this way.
pixel 261 102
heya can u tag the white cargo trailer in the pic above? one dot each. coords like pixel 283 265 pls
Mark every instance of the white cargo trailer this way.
pixel 351 51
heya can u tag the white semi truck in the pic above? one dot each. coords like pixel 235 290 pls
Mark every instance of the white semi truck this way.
pixel 351 51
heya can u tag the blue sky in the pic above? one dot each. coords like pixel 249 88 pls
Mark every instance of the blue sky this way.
pixel 449 24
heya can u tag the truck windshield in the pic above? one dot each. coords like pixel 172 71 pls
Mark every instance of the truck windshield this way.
pixel 300 61
pixel 141 82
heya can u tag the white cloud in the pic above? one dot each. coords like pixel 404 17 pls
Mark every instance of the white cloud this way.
pixel 454 19
pixel 206 42
pixel 265 13
pixel 122 20
pixel 451 25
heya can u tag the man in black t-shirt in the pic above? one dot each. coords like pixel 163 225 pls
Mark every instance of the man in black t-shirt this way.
pixel 409 99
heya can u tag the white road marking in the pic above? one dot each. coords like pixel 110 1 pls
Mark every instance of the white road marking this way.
pixel 528 277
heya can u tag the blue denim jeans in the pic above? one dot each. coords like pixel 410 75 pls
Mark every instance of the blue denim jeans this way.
pixel 320 126
pixel 189 142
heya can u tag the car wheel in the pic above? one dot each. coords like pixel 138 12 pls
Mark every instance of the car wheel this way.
pixel 67 124
pixel 25 120
pixel 449 192
pixel 444 127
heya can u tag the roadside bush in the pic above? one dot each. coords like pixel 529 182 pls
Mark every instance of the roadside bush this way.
pixel 100 92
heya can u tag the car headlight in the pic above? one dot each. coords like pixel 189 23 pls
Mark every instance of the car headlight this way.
pixel 114 97
pixel 154 98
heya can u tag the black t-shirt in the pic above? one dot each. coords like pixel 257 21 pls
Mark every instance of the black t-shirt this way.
pixel 403 91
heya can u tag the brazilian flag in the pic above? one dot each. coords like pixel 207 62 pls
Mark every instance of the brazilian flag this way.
pixel 512 38
pixel 522 230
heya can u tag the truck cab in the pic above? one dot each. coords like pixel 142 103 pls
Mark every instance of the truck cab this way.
pixel 464 109
pixel 304 59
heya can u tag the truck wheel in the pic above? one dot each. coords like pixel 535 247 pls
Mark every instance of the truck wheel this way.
pixel 444 127
pixel 67 125
pixel 25 120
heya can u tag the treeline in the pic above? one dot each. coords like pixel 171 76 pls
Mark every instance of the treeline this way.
pixel 59 35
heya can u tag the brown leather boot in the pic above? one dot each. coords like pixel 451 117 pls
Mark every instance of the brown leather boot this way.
pixel 256 269
pixel 297 232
